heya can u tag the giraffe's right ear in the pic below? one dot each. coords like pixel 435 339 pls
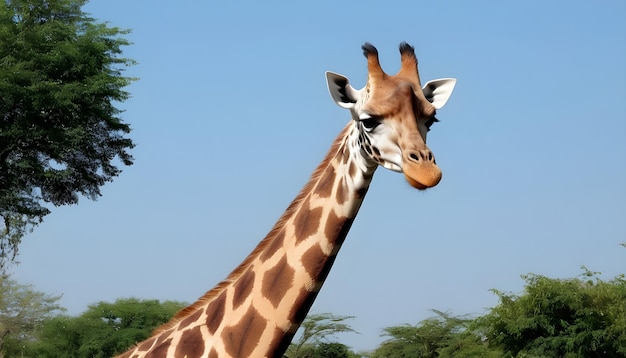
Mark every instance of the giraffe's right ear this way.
pixel 340 90
pixel 439 91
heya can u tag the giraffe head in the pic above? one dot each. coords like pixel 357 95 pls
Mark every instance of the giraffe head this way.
pixel 393 114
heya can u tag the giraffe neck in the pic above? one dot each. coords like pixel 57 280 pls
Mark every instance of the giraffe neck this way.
pixel 258 308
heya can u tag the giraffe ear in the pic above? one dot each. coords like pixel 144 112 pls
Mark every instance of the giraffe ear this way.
pixel 340 90
pixel 439 91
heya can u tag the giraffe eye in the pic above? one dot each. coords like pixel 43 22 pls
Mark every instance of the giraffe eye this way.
pixel 369 123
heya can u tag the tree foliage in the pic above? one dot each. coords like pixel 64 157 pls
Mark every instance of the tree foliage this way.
pixel 326 350
pixel 579 317
pixel 104 330
pixel 60 133
pixel 23 311
pixel 440 336
pixel 316 329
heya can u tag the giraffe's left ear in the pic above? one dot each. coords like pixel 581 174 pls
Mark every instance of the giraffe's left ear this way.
pixel 340 90
pixel 439 91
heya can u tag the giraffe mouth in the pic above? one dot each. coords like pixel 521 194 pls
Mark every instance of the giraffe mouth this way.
pixel 392 166
pixel 422 176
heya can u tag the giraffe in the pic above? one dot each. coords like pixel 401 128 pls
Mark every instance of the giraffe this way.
pixel 257 309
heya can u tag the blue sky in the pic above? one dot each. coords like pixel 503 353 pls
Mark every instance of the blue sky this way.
pixel 231 115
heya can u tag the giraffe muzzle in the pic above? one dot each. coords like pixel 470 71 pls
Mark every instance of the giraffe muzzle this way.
pixel 420 169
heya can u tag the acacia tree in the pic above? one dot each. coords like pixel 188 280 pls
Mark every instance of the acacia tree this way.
pixel 441 336
pixel 104 330
pixel 325 350
pixel 60 132
pixel 23 311
pixel 579 317
pixel 315 329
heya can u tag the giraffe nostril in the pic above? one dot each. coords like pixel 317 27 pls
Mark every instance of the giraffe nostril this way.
pixel 422 155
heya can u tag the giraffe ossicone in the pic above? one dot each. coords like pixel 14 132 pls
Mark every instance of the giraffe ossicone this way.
pixel 257 309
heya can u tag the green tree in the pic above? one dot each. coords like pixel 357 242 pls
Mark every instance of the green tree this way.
pixel 324 350
pixel 580 317
pixel 23 310
pixel 332 350
pixel 440 336
pixel 315 329
pixel 60 133
pixel 104 330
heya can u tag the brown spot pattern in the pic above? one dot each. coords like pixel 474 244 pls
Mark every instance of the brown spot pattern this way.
pixel 213 353
pixel 241 339
pixel 352 170
pixel 326 269
pixel 275 245
pixel 277 281
pixel 345 228
pixel 280 342
pixel 345 154
pixel 191 319
pixel 160 351
pixel 341 196
pixel 243 287
pixel 335 229
pixel 306 223
pixel 325 185
pixel 146 345
pixel 313 260
pixel 215 313
pixel 191 344
pixel 163 336
pixel 301 306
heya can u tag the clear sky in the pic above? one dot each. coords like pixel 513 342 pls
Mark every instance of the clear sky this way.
pixel 231 114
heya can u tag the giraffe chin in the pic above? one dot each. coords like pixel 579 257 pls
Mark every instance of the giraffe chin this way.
pixel 423 178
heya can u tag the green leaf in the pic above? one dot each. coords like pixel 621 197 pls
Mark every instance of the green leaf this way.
pixel 61 135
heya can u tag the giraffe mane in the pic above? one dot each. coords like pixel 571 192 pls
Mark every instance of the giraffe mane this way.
pixel 237 272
